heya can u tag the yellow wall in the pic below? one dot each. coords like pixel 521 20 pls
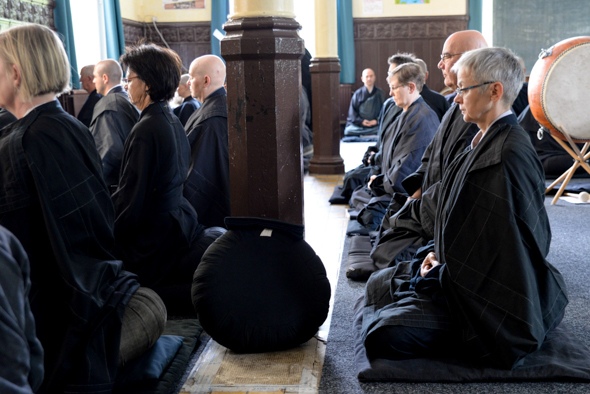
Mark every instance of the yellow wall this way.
pixel 145 10
pixel 436 7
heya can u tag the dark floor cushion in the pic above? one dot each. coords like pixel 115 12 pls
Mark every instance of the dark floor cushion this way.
pixel 562 357
pixel 360 264
pixel 260 287
pixel 337 197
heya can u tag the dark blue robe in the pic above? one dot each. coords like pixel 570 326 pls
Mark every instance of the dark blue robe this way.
pixel 85 114
pixel 184 111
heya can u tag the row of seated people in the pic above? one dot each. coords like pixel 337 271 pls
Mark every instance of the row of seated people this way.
pixel 459 260
pixel 88 250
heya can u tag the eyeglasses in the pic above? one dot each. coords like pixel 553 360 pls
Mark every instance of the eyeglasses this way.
pixel 127 80
pixel 461 90
pixel 446 56
pixel 395 87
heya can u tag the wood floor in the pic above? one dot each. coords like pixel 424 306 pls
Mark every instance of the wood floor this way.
pixel 219 370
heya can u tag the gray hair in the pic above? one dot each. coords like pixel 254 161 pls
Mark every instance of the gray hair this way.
pixel 184 79
pixel 409 72
pixel 422 65
pixel 401 58
pixel 494 64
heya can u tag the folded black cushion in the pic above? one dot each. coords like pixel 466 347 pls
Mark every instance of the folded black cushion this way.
pixel 260 287
pixel 562 357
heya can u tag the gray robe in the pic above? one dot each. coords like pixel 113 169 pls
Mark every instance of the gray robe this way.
pixel 113 118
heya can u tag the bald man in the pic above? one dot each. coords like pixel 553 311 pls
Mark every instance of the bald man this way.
pixel 189 103
pixel 87 82
pixel 365 106
pixel 410 225
pixel 112 120
pixel 207 185
pixel 435 100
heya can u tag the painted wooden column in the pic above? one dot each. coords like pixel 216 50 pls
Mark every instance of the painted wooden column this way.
pixel 262 51
pixel 325 87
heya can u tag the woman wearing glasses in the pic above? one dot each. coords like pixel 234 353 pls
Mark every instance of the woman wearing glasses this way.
pixel 156 228
pixel 483 287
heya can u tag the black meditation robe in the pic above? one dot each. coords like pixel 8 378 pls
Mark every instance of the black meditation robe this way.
pixel 364 105
pixel 207 185
pixel 59 207
pixel 6 118
pixel 21 368
pixel 436 101
pixel 155 224
pixel 406 228
pixel 85 114
pixel 492 236
pixel 184 111
pixel 114 117
pixel 522 100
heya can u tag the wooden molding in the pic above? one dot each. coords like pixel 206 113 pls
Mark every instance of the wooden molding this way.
pixel 173 32
pixel 401 28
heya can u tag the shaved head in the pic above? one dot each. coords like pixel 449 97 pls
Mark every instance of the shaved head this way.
pixel 368 78
pixel 107 74
pixel 455 45
pixel 207 74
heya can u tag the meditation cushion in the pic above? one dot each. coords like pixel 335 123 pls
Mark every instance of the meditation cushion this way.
pixel 260 287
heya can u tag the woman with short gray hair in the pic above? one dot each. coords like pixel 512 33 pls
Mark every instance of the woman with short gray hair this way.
pixel 483 290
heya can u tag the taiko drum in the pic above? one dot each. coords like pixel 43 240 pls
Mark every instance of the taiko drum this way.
pixel 559 89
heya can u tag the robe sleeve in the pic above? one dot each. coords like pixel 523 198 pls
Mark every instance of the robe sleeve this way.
pixel 21 354
pixel 413 182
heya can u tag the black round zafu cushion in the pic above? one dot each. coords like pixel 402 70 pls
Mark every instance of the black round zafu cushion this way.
pixel 257 293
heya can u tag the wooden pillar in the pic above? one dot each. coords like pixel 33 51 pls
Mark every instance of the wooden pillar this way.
pixel 262 51
pixel 325 87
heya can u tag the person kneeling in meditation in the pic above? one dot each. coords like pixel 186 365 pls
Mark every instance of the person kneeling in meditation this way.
pixel 156 229
pixel 483 286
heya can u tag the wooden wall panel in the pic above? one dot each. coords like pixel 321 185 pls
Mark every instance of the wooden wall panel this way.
pixel 376 39
pixel 188 39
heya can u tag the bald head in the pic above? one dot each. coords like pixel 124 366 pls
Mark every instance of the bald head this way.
pixel 207 74
pixel 368 78
pixel 107 75
pixel 455 45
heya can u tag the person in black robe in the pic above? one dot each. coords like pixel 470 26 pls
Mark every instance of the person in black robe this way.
pixel 189 104
pixel 409 224
pixel 59 208
pixel 87 82
pixel 483 287
pixel 402 150
pixel 6 118
pixel 365 106
pixel 435 100
pixel 21 368
pixel 156 229
pixel 113 119
pixel 554 158
pixel 207 185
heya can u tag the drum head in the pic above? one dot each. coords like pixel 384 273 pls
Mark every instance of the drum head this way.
pixel 566 92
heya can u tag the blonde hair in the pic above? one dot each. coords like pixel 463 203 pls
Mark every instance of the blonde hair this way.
pixel 39 55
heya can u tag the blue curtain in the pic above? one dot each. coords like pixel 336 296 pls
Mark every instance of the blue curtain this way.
pixel 219 11
pixel 475 15
pixel 63 23
pixel 114 33
pixel 346 41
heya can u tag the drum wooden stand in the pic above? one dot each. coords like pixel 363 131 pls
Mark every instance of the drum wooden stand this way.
pixel 579 156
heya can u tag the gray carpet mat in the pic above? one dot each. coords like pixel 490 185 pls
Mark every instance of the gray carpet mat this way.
pixel 570 253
